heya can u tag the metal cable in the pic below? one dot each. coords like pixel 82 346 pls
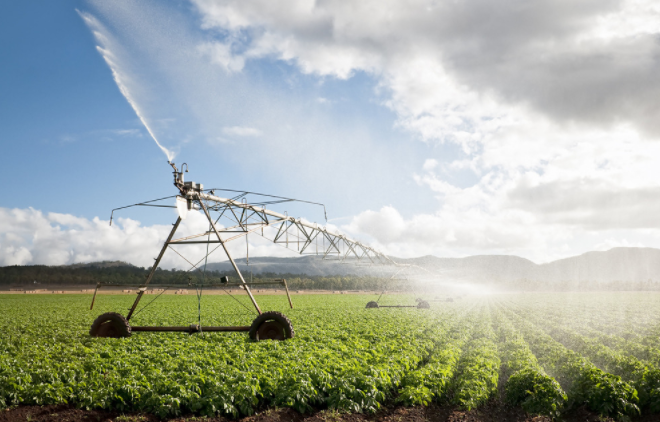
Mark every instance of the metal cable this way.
pixel 152 301
pixel 381 295
pixel 243 193
pixel 240 303
pixel 142 204
pixel 199 294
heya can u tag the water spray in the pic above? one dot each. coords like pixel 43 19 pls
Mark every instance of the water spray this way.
pixel 126 93
pixel 98 30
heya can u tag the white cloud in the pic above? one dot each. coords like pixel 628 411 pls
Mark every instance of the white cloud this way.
pixel 430 164
pixel 385 226
pixel 222 55
pixel 13 255
pixel 31 237
pixel 573 205
pixel 442 60
pixel 553 106
pixel 633 18
pixel 126 132
pixel 242 131
pixel 608 244
pixel 58 239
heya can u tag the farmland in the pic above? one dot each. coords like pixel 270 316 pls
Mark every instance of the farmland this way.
pixel 544 353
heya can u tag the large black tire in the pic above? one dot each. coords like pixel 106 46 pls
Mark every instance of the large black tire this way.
pixel 423 305
pixel 372 304
pixel 271 326
pixel 110 324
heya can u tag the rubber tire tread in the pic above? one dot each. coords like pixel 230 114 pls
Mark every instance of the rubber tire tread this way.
pixel 371 305
pixel 272 316
pixel 119 321
pixel 423 305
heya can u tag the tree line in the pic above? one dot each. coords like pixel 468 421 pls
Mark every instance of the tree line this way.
pixel 47 277
pixel 43 276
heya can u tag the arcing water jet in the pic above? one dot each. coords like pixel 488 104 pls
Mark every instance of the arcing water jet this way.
pixel 103 48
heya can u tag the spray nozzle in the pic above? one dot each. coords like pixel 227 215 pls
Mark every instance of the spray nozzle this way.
pixel 178 175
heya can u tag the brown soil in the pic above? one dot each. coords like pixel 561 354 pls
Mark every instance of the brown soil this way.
pixel 493 412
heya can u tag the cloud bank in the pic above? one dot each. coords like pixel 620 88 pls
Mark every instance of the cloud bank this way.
pixel 32 237
pixel 551 105
pixel 554 105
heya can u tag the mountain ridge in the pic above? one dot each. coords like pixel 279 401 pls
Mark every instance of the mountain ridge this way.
pixel 616 264
pixel 621 264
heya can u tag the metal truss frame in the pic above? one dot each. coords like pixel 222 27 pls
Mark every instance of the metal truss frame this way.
pixel 293 233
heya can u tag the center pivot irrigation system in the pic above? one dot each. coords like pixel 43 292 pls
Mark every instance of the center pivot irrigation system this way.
pixel 245 219
pixel 403 273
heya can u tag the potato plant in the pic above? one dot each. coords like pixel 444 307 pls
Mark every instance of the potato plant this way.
pixel 549 353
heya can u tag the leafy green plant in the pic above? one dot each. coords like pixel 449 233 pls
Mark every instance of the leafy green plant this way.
pixel 344 358
pixel 585 383
pixel 526 384
pixel 479 367
pixel 536 392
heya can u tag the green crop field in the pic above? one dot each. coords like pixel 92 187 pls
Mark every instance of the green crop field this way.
pixel 547 353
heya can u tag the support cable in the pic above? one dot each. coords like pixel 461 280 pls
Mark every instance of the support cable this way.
pixel 199 292
pixel 224 289
pixel 143 204
pixel 284 199
pixel 152 301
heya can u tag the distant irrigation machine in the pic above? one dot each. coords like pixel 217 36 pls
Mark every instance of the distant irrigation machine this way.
pixel 402 273
pixel 245 219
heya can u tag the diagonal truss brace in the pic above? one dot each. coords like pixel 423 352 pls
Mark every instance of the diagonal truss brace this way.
pixel 247 218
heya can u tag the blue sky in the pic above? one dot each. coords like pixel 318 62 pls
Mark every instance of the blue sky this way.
pixel 68 128
pixel 423 129
pixel 62 116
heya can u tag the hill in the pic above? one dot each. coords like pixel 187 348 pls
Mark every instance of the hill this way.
pixel 618 268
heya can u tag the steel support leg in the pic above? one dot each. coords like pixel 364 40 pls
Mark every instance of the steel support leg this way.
pixel 287 293
pixel 94 297
pixel 222 242
pixel 153 269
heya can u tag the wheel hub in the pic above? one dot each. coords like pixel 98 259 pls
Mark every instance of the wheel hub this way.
pixel 272 330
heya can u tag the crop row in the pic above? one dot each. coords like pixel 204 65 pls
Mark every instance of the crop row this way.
pixel 479 367
pixel 463 368
pixel 526 383
pixel 429 381
pixel 627 342
pixel 612 313
pixel 351 362
pixel 608 329
pixel 643 376
pixel 584 383
pixel 343 357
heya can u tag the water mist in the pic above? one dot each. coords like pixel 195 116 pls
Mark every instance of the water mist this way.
pixel 112 62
